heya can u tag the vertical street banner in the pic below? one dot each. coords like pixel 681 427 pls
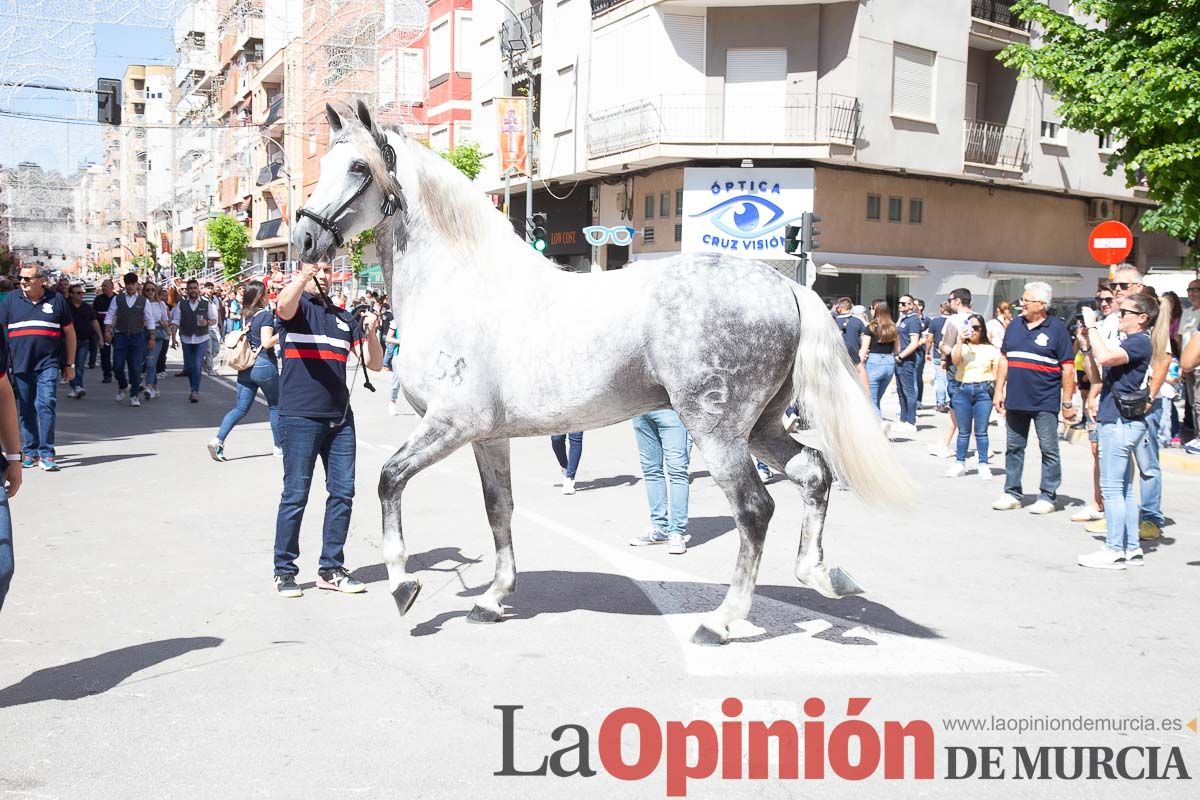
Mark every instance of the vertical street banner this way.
pixel 164 243
pixel 512 117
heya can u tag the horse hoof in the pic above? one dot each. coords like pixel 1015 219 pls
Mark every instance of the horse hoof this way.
pixel 482 615
pixel 706 636
pixel 405 595
pixel 842 583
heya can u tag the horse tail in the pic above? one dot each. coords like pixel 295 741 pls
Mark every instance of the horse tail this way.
pixel 831 402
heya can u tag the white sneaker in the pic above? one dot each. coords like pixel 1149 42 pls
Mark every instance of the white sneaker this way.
pixel 1103 559
pixel 957 470
pixel 277 452
pixel 392 408
pixel 651 536
pixel 568 486
pixel 985 472
pixel 764 473
pixel 155 393
pixel 939 450
pixel 134 401
pixel 1087 514
pixel 1006 503
pixel 1042 507
pixel 1133 558
pixel 677 544
pixel 122 395
pixel 71 392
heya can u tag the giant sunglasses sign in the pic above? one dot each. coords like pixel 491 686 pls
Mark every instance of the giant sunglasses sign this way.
pixel 743 212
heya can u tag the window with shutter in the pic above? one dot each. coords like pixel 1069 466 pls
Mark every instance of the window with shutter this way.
pixel 686 33
pixel 912 81
pixel 755 94
pixel 1052 129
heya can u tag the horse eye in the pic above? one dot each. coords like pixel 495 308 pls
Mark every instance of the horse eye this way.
pixel 359 167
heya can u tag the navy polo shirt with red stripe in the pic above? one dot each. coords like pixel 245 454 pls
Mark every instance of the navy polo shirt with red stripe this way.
pixel 1036 357
pixel 35 330
pixel 316 343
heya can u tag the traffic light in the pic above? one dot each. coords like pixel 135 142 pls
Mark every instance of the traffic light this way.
pixel 108 101
pixel 809 232
pixel 791 240
pixel 537 231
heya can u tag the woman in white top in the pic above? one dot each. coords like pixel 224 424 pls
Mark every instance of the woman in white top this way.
pixel 157 311
pixel 998 324
pixel 975 359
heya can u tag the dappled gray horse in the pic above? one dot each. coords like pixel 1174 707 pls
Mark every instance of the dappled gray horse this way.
pixel 499 343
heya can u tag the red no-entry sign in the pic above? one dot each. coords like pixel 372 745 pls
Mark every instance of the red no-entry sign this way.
pixel 1110 242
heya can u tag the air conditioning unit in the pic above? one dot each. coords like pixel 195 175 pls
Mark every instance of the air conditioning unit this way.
pixel 1099 209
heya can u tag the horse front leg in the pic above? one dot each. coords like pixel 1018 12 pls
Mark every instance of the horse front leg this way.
pixel 494 462
pixel 809 470
pixel 432 440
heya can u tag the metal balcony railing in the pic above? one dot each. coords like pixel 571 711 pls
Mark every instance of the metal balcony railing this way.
pixel 704 119
pixel 269 173
pixel 604 5
pixel 512 39
pixel 997 11
pixel 994 145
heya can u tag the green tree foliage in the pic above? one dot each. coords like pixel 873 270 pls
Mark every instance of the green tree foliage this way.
pixel 1131 71
pixel 195 262
pixel 187 263
pixel 229 238
pixel 356 250
pixel 466 158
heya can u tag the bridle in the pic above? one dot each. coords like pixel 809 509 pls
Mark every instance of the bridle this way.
pixel 392 202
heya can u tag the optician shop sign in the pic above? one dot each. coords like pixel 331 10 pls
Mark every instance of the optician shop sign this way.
pixel 743 212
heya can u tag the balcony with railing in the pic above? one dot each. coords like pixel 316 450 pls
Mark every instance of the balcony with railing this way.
pixel 816 119
pixel 989 144
pixel 270 173
pixel 997 12
pixel 512 38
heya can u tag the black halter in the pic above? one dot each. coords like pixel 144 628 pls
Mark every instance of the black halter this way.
pixel 391 201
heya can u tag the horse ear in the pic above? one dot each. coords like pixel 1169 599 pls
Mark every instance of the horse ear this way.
pixel 335 120
pixel 364 116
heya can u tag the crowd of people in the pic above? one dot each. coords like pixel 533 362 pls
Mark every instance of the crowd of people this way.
pixel 1126 369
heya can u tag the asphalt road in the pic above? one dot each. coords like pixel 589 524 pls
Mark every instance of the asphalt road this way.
pixel 144 654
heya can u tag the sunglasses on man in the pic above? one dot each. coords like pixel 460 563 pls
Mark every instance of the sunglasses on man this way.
pixel 1100 299
pixel 1122 285
pixel 29 278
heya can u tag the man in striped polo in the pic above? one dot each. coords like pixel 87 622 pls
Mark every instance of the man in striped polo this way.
pixel 315 420
pixel 38 325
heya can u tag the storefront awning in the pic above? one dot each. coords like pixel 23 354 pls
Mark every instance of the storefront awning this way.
pixel 913 271
pixel 1008 274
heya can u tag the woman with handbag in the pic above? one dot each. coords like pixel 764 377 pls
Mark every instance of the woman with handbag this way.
pixel 259 331
pixel 976 360
pixel 1120 412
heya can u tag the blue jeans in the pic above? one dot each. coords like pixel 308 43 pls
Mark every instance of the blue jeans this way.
pixel 569 463
pixel 262 375
pixel 1146 455
pixel 661 435
pixel 193 358
pixel 304 440
pixel 6 547
pixel 906 387
pixel 1045 424
pixel 160 341
pixel 972 407
pixel 1118 444
pixel 83 347
pixel 880 369
pixel 942 396
pixel 129 353
pixel 36 398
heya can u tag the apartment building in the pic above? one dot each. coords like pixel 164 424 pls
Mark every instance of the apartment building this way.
pixel 447 48
pixel 147 156
pixel 196 97
pixel 706 126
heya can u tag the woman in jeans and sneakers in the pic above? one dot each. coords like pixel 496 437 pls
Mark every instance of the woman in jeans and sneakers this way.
pixel 879 353
pixel 568 460
pixel 259 321
pixel 1121 409
pixel 975 360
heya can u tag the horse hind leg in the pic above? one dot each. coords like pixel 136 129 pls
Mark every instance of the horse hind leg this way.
pixel 494 462
pixel 431 441
pixel 809 470
pixel 733 470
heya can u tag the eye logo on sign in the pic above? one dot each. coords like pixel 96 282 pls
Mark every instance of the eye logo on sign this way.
pixel 598 234
pixel 745 216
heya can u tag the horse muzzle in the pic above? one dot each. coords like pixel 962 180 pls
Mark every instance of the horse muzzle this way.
pixel 312 241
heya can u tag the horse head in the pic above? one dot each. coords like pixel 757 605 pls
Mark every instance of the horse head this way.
pixel 358 189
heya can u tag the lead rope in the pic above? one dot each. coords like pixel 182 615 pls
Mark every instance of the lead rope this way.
pixel 331 306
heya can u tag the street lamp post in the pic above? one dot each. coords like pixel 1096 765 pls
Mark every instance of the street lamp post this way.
pixel 529 118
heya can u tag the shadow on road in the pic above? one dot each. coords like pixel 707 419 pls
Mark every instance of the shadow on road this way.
pixel 100 673
pixel 705 529
pixel 608 483
pixel 778 610
pixel 376 573
pixel 68 461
